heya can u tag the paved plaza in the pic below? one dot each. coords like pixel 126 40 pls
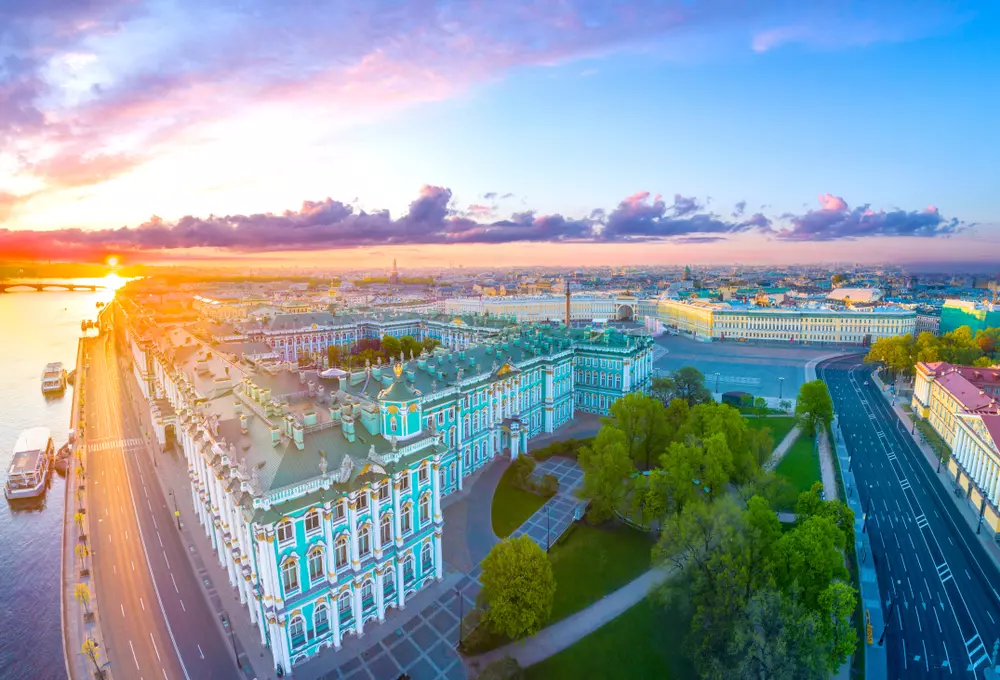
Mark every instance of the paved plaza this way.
pixel 742 366
pixel 421 640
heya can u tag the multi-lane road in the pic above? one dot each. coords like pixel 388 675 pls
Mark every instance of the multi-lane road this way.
pixel 937 583
pixel 154 618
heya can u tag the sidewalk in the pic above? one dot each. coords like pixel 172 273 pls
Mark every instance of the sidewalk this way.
pixel 559 636
pixel 828 472
pixel 781 449
pixel 74 629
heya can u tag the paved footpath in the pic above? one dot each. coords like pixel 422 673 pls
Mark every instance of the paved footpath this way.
pixel 781 449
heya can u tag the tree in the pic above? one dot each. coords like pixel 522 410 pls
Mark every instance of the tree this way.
pixel 836 604
pixel 662 388
pixel 814 408
pixel 760 407
pixel 689 385
pixel 333 355
pixel 811 504
pixel 710 418
pixel 518 587
pixel 761 444
pixel 89 650
pixel 785 405
pixel 81 593
pixel 523 466
pixel 410 346
pixel 82 552
pixel 809 557
pixel 430 343
pixel 642 419
pixel 391 347
pixel 606 468
pixel 78 517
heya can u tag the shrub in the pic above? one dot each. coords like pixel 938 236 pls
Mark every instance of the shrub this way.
pixel 549 485
pixel 523 467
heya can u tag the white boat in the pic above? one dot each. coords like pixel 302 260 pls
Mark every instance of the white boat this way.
pixel 29 468
pixel 54 377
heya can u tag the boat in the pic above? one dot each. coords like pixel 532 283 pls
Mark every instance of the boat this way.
pixel 30 465
pixel 53 377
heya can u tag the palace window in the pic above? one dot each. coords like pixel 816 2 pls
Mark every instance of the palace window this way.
pixel 321 619
pixel 362 500
pixel 404 481
pixel 392 425
pixel 344 602
pixel 312 522
pixel 388 584
pixel 367 595
pixel 425 509
pixel 315 565
pixel 423 473
pixel 364 542
pixel 286 532
pixel 426 558
pixel 340 553
pixel 406 519
pixel 408 570
pixel 386 529
pixel 297 631
pixel 290 576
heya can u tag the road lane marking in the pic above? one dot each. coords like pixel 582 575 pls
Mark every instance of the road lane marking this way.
pixel 154 648
pixel 166 560
pixel 175 584
pixel 182 605
pixel 991 617
pixel 134 658
pixel 133 565
pixel 159 539
pixel 200 653
pixel 938 619
pixel 123 609
pixel 142 604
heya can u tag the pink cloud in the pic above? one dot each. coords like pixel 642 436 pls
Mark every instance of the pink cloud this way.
pixel 831 202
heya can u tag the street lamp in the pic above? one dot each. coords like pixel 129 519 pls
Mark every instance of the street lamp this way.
pixel 781 383
pixel 717 374
pixel 177 513
pixel 232 636
pixel 548 526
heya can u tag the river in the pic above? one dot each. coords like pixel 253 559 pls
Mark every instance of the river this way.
pixel 35 328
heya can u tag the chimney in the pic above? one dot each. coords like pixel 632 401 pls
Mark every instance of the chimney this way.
pixel 567 304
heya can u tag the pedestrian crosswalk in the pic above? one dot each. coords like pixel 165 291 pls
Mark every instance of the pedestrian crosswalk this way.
pixel 106 444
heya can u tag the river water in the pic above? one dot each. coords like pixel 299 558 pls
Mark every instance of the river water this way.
pixel 35 328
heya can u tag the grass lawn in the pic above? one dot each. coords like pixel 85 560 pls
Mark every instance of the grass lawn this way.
pixel 644 642
pixel 512 505
pixel 778 425
pixel 800 466
pixel 591 562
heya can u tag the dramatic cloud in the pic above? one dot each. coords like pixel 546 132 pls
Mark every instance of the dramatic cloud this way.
pixel 835 220
pixel 432 219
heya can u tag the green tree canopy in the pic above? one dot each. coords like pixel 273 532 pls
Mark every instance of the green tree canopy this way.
pixel 814 408
pixel 606 468
pixel 410 346
pixel 518 587
pixel 642 419
pixel 391 347
pixel 689 385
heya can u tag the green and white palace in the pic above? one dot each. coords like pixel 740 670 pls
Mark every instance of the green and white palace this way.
pixel 322 491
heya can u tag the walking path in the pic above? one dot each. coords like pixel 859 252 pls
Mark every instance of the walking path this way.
pixel 828 472
pixel 781 449
pixel 559 636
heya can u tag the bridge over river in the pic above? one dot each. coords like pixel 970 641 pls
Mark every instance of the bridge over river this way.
pixel 40 286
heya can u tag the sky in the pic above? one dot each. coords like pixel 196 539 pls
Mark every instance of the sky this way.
pixel 571 132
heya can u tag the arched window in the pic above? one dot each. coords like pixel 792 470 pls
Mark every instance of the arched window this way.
pixel 476 452
pixel 386 529
pixel 344 602
pixel 315 565
pixel 367 594
pixel 465 426
pixel 321 619
pixel 408 574
pixel 340 553
pixel 425 509
pixel 297 630
pixel 468 457
pixel 406 519
pixel 453 473
pixel 426 557
pixel 286 532
pixel 389 583
pixel 290 576
pixel 364 541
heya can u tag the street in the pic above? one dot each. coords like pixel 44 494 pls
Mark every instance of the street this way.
pixel 155 620
pixel 934 577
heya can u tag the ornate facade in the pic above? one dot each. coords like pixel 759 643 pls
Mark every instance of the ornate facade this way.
pixel 322 492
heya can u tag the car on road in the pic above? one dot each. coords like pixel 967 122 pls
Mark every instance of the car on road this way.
pixel 866 383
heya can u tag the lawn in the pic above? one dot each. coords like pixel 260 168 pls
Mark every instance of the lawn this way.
pixel 644 642
pixel 591 562
pixel 512 505
pixel 800 466
pixel 778 425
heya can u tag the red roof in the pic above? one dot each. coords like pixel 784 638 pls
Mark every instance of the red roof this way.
pixel 967 394
pixel 992 423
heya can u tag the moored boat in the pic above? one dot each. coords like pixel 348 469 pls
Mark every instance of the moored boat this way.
pixel 30 465
pixel 53 377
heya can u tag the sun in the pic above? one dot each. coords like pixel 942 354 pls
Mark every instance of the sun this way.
pixel 112 261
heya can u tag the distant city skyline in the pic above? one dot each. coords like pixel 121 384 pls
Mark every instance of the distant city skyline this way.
pixel 646 133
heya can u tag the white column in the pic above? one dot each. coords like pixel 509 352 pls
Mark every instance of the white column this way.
pixel 436 486
pixel 336 621
pixel 376 508
pixel 438 561
pixel 400 585
pixel 461 465
pixel 352 518
pixel 379 598
pixel 397 519
pixel 359 628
